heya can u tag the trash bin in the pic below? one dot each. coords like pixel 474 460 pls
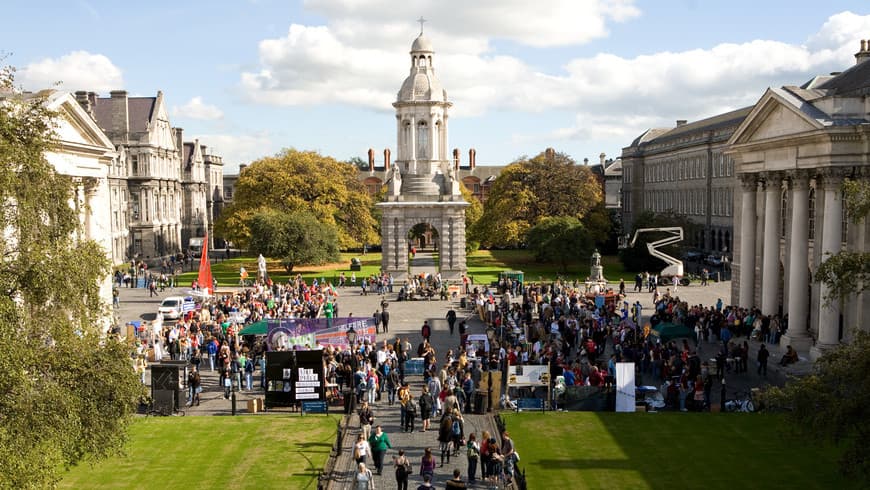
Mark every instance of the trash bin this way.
pixel 481 402
pixel 463 303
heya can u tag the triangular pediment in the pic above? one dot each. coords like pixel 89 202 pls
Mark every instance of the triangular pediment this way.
pixel 75 126
pixel 774 117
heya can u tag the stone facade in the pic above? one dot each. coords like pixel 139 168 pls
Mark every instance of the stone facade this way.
pixel 85 153
pixel 422 186
pixel 793 152
pixel 685 169
pixel 160 187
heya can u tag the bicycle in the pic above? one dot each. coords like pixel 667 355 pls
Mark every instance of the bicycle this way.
pixel 742 402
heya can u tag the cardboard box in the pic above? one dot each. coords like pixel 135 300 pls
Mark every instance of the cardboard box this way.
pixel 261 404
pixel 715 408
pixel 640 408
pixel 252 406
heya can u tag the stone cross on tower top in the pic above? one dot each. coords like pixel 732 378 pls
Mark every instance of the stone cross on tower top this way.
pixel 422 21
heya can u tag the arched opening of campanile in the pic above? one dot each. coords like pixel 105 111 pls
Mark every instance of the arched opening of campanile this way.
pixel 423 247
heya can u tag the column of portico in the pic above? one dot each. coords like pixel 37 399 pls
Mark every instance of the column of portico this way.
pixel 798 265
pixel 747 241
pixel 770 256
pixel 832 230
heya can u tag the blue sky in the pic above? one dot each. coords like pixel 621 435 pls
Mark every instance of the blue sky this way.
pixel 250 77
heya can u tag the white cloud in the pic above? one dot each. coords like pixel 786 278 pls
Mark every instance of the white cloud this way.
pixel 237 149
pixel 195 108
pixel 348 61
pixel 78 70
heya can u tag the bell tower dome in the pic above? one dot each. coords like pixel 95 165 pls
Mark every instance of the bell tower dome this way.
pixel 421 125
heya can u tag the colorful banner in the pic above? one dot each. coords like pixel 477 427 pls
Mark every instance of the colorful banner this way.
pixel 313 333
pixel 625 389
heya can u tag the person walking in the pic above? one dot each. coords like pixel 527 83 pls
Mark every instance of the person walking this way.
pixel 451 319
pixel 426 331
pixel 194 382
pixel 763 355
pixel 427 464
pixel 364 479
pixel 366 419
pixel 361 449
pixel 385 318
pixel 403 470
pixel 379 442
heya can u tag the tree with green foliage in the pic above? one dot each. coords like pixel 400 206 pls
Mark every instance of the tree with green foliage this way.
pixel 294 238
pixel 295 181
pixel 472 214
pixel 68 392
pixel 832 405
pixel 560 240
pixel 530 189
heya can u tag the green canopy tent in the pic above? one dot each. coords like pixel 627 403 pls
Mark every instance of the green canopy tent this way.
pixel 668 331
pixel 259 328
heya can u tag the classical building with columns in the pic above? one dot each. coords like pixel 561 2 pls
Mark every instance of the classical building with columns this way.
pixel 793 152
pixel 422 186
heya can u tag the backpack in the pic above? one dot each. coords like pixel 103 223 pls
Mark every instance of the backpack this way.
pixel 472 451
pixel 457 429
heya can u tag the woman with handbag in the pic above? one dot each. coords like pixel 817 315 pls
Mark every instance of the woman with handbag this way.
pixel 403 469
pixel 361 449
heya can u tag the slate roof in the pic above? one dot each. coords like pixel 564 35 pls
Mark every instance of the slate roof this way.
pixel 854 81
pixel 139 112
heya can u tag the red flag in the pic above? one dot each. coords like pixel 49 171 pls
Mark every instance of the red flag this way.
pixel 204 279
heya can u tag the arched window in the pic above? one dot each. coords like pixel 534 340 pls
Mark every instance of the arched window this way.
pixel 812 213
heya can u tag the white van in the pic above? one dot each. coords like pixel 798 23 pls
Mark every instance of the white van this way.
pixel 173 307
pixel 195 246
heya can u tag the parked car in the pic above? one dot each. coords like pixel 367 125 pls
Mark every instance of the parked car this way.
pixel 693 256
pixel 714 260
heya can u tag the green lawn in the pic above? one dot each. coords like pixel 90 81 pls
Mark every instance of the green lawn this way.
pixel 257 452
pixel 582 450
pixel 483 265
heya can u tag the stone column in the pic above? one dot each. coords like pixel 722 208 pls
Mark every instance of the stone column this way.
pixel 832 229
pixel 770 258
pixel 747 241
pixel 798 283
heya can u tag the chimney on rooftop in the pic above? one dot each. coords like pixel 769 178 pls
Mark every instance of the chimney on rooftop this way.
pixel 386 159
pixel 602 158
pixel 371 159
pixel 864 53
pixel 456 158
pixel 85 101
pixel 681 122
pixel 472 158
pixel 120 111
